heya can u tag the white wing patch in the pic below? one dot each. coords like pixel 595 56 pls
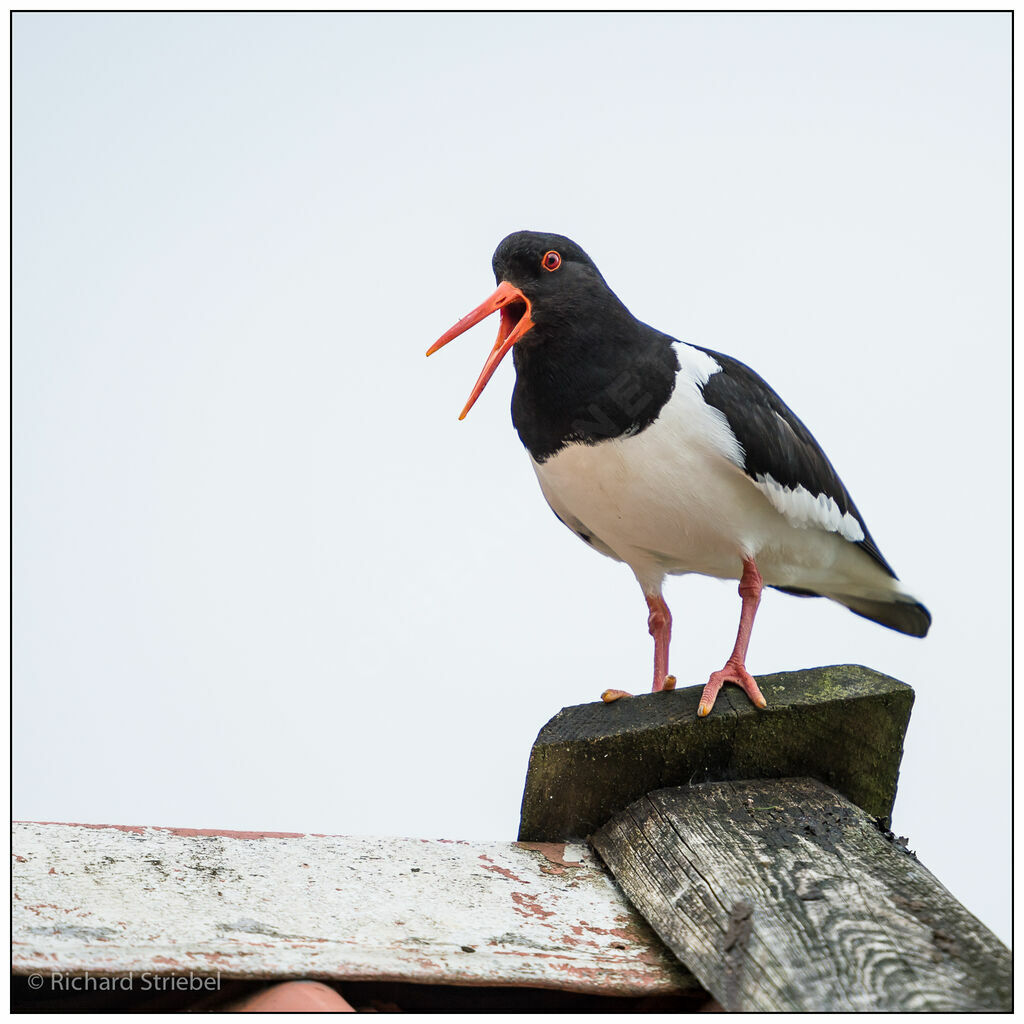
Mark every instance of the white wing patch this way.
pixel 696 365
pixel 696 416
pixel 802 508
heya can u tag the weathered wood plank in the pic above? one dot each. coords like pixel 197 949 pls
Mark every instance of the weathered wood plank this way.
pixel 118 900
pixel 842 724
pixel 782 895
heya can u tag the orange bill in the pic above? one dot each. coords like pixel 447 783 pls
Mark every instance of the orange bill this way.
pixel 515 322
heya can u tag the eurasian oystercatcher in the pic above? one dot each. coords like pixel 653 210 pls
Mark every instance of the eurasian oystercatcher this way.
pixel 672 458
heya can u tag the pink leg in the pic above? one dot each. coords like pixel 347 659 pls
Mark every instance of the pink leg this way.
pixel 659 625
pixel 735 671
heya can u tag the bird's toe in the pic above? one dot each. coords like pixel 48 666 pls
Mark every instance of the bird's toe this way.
pixel 733 672
pixel 609 695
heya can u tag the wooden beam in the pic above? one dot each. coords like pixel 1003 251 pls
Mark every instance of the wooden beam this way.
pixel 120 900
pixel 782 895
pixel 842 724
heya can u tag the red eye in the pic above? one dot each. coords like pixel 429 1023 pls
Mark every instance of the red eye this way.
pixel 551 260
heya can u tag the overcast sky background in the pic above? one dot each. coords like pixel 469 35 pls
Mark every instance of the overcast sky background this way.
pixel 264 579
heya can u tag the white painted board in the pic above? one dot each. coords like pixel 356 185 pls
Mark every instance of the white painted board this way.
pixel 121 899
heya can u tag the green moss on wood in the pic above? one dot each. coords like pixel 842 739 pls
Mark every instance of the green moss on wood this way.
pixel 841 724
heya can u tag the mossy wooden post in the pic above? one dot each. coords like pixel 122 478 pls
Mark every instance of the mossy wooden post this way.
pixel 843 724
pixel 755 843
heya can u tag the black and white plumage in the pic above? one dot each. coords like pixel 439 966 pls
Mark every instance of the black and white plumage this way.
pixel 673 458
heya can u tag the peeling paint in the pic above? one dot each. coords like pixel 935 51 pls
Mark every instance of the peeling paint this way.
pixel 190 832
pixel 138 829
pixel 499 870
pixel 168 900
pixel 554 853
pixel 216 958
pixel 527 904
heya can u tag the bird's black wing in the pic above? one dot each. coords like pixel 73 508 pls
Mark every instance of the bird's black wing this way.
pixel 775 442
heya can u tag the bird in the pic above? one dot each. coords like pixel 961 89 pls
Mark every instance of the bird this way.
pixel 672 458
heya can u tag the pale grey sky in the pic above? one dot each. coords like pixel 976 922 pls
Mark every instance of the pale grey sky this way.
pixel 265 579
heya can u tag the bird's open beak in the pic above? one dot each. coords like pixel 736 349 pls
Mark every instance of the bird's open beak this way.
pixel 515 322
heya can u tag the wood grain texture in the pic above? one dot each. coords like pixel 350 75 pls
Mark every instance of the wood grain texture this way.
pixel 842 724
pixel 117 900
pixel 782 895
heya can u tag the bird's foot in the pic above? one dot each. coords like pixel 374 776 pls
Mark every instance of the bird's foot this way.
pixel 609 695
pixel 734 672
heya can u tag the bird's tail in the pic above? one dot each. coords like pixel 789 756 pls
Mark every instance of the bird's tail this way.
pixel 894 608
pixel 900 612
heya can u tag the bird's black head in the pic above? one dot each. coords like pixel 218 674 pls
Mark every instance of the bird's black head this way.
pixel 557 277
pixel 545 282
pixel 535 259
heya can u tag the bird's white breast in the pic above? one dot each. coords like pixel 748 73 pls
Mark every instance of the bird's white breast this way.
pixel 674 498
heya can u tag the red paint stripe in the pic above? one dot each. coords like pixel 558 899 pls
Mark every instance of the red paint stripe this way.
pixel 142 829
